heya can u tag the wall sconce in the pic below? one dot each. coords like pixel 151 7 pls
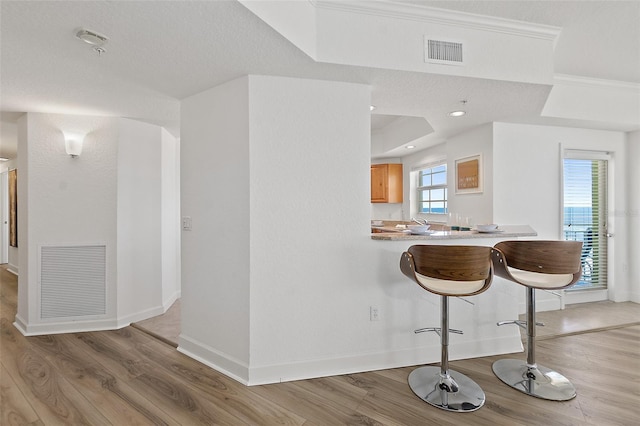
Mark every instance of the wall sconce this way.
pixel 73 143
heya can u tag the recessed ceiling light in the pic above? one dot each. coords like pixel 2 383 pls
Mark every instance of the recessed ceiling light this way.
pixel 372 107
pixel 410 146
pixel 459 113
pixel 4 159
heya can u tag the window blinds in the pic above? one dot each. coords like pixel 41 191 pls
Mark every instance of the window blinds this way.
pixel 585 213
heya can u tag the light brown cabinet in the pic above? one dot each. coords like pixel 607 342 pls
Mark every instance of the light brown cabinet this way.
pixel 386 183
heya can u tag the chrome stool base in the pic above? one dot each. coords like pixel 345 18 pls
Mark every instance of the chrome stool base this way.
pixel 538 381
pixel 426 382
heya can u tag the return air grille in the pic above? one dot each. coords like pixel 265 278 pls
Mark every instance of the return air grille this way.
pixel 447 52
pixel 72 281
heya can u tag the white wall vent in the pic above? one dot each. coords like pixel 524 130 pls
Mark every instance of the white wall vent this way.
pixel 72 281
pixel 443 52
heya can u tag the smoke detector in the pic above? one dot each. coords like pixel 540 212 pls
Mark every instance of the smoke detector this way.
pixel 93 38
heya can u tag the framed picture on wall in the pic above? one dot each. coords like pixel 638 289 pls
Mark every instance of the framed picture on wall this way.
pixel 469 175
pixel 13 208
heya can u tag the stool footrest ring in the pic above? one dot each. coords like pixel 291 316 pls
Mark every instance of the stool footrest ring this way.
pixel 437 330
pixel 519 323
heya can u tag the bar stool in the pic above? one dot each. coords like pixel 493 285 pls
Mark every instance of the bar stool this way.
pixel 447 271
pixel 548 265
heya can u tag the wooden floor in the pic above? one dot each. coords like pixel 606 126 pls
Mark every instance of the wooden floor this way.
pixel 165 327
pixel 128 377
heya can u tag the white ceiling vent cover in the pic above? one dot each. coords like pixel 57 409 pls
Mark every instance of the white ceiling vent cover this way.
pixel 443 51
pixel 72 281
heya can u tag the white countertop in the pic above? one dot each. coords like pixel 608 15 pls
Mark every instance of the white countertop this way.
pixel 505 231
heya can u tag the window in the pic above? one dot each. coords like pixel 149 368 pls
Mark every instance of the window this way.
pixel 432 189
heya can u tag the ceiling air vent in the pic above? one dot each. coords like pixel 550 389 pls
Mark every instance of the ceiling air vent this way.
pixel 443 52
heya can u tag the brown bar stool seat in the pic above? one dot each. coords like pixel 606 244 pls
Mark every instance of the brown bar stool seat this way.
pixel 548 265
pixel 447 271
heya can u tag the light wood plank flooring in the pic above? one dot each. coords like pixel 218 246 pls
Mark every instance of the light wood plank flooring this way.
pixel 586 317
pixel 165 327
pixel 128 377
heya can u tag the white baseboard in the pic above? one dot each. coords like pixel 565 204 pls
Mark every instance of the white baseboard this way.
pixel 171 300
pixel 585 296
pixel 64 326
pixel 148 313
pixel 509 342
pixel 12 268
pixel 227 365
pixel 140 316
pixel 84 325
pixel 20 324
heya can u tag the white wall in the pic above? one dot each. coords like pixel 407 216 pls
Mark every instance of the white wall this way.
pixel 276 219
pixel 138 220
pixel 24 306
pixel 215 194
pixel 477 206
pixel 393 38
pixel 633 159
pixel 8 139
pixel 302 288
pixel 170 218
pixel 110 194
pixel 64 200
pixel 527 183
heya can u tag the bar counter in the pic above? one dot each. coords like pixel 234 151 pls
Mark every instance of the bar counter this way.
pixel 388 233
pixel 405 306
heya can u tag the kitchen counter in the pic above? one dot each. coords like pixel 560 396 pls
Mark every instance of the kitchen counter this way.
pixel 405 306
pixel 386 233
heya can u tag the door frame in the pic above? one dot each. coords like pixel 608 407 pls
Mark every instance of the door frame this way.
pixel 591 295
pixel 4 217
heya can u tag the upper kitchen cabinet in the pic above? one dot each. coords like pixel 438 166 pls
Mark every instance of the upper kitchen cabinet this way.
pixel 386 183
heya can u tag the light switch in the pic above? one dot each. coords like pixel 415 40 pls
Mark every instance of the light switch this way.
pixel 186 223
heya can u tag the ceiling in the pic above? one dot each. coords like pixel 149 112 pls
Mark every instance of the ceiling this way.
pixel 160 52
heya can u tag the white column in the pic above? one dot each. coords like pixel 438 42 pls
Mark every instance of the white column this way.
pixel 275 178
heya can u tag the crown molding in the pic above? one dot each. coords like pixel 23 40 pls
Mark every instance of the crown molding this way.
pixel 413 12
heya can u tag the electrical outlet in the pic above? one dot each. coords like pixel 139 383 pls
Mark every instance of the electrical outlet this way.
pixel 374 313
pixel 186 223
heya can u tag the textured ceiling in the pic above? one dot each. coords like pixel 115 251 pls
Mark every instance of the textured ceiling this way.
pixel 162 51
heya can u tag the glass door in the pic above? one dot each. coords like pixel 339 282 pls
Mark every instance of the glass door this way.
pixel 585 218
